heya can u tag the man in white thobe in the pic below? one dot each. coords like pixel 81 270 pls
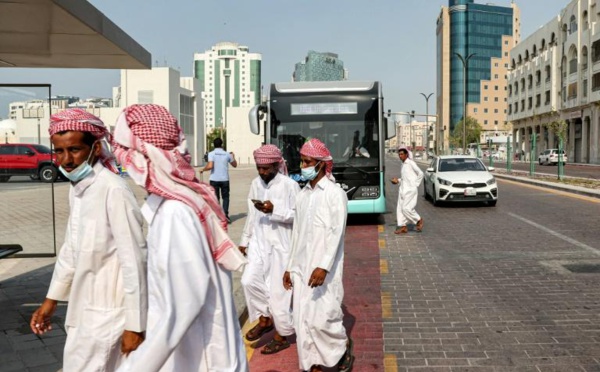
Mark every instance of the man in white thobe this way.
pixel 266 241
pixel 101 268
pixel 315 269
pixel 410 179
pixel 192 321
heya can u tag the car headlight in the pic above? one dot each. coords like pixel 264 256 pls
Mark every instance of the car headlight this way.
pixel 444 182
pixel 491 181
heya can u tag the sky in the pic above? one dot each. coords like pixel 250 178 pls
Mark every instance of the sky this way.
pixel 392 41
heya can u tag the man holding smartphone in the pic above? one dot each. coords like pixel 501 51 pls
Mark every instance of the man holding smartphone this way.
pixel 266 242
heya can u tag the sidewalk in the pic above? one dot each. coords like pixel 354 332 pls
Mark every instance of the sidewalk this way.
pixel 24 283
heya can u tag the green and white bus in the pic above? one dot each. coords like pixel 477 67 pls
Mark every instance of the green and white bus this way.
pixel 348 117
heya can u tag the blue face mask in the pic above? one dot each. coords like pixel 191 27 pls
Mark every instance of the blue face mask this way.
pixel 309 173
pixel 82 170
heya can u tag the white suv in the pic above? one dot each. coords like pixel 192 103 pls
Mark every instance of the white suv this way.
pixel 550 156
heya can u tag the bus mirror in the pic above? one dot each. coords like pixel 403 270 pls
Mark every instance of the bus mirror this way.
pixel 389 127
pixel 254 120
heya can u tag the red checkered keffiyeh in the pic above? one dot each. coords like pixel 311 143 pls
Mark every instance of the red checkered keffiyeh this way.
pixel 316 149
pixel 150 144
pixel 79 120
pixel 269 154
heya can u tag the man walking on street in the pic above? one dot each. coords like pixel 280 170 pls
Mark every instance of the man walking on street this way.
pixel 314 271
pixel 266 240
pixel 410 179
pixel 218 165
pixel 101 267
pixel 192 322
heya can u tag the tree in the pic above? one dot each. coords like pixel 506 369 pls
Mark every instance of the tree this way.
pixel 558 128
pixel 473 132
pixel 214 134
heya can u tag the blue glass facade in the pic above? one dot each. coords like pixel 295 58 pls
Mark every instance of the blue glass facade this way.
pixel 319 67
pixel 478 29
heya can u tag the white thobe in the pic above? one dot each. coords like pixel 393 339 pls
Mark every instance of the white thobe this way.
pixel 192 321
pixel 101 272
pixel 410 179
pixel 267 238
pixel 318 242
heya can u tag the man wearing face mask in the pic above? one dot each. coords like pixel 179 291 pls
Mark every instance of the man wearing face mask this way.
pixel 100 269
pixel 266 240
pixel 314 271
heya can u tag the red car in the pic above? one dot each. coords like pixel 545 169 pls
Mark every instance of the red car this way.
pixel 23 159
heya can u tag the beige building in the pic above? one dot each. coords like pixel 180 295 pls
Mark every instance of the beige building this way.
pixel 555 76
pixel 487 66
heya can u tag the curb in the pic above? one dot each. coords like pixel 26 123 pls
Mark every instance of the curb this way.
pixel 550 185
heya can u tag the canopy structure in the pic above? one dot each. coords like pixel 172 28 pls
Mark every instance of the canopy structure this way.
pixel 65 34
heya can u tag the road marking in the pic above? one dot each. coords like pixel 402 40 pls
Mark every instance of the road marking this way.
pixel 386 305
pixel 390 364
pixel 380 228
pixel 557 234
pixel 383 266
pixel 552 191
pixel 382 243
pixel 248 344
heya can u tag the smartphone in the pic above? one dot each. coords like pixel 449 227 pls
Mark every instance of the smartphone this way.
pixel 255 201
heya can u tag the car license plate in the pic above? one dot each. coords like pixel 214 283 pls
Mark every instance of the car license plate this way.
pixel 469 191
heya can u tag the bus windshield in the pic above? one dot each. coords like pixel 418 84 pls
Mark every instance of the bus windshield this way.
pixel 353 140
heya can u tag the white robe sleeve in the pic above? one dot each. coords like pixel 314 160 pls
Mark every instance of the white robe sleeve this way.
pixel 125 220
pixel 335 223
pixel 249 226
pixel 64 270
pixel 284 206
pixel 185 278
pixel 418 173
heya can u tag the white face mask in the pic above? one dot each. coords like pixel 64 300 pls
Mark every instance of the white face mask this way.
pixel 82 170
pixel 310 173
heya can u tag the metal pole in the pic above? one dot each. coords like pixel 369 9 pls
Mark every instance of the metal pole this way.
pixel 508 156
pixel 532 154
pixel 465 62
pixel 39 133
pixel 561 164
pixel 427 123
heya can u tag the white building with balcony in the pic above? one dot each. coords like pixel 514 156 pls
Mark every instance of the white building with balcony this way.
pixel 555 75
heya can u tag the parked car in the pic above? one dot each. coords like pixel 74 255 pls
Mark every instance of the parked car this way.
pixel 460 178
pixel 22 159
pixel 550 156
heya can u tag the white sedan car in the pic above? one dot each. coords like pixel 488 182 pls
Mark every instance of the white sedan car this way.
pixel 460 178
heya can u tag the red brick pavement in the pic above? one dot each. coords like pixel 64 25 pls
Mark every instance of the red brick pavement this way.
pixel 362 308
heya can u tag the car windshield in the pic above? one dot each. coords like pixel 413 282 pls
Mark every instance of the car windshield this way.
pixel 42 149
pixel 461 165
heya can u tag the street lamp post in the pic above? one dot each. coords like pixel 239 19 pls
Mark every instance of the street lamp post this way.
pixel 427 96
pixel 465 63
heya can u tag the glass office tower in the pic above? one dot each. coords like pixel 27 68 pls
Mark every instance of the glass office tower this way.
pixel 479 29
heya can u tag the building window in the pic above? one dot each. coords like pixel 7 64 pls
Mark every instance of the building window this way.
pixel 485 122
pixel 572 93
pixel 495 111
pixel 485 111
pixel 495 122
pixel 495 99
pixel 496 64
pixel 495 76
pixel 547 100
pixel 485 99
pixel 496 87
pixel 475 110
pixel 485 87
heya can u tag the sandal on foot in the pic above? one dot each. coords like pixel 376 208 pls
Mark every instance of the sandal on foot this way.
pixel 275 346
pixel 257 331
pixel 401 230
pixel 345 364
